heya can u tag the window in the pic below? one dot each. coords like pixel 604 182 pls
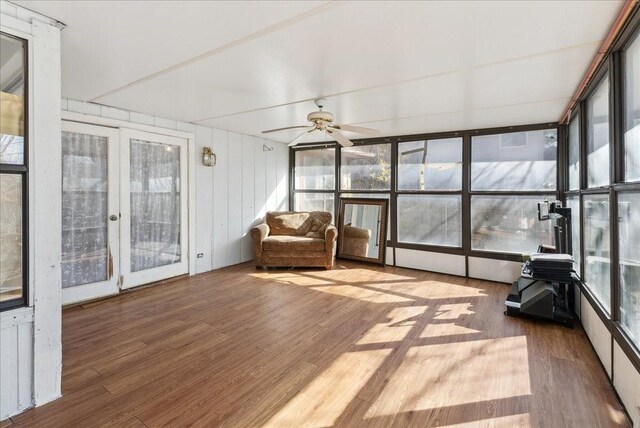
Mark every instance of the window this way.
pixel 366 167
pixel 574 153
pixel 315 180
pixel 513 167
pixel 573 202
pixel 508 223
pixel 304 201
pixel 597 249
pixel 430 219
pixel 598 135
pixel 632 110
pixel 430 164
pixel 13 173
pixel 315 169
pixel 629 232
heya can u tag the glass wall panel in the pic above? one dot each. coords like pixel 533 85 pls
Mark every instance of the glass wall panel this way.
pixel 573 202
pixel 629 232
pixel 12 111
pixel 315 169
pixel 574 154
pixel 430 164
pixel 430 219
pixel 597 248
pixel 632 110
pixel 366 167
pixel 598 135
pixel 155 205
pixel 508 224
pixel 315 202
pixel 10 237
pixel 514 162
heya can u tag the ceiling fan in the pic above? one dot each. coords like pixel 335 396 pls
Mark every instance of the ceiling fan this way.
pixel 323 121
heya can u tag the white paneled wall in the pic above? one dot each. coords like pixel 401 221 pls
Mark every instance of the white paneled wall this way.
pixel 16 361
pixel 249 179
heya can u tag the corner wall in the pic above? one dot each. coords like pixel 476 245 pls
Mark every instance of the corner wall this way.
pixel 30 337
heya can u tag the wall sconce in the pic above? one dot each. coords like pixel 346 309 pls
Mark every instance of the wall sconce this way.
pixel 208 157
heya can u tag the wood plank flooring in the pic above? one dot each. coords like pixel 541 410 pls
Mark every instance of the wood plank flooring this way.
pixel 354 346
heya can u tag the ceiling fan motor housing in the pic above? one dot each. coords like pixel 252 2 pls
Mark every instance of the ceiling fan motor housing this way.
pixel 320 116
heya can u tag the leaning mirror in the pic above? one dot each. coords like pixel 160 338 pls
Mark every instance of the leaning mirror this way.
pixel 362 229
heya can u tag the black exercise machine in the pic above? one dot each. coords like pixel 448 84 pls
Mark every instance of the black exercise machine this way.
pixel 545 287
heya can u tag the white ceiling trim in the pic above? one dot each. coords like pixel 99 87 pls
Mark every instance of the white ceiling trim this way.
pixel 241 41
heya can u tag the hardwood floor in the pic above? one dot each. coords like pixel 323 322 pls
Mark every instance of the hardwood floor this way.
pixel 354 346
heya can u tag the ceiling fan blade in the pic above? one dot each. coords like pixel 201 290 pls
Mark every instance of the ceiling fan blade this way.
pixel 299 137
pixel 357 129
pixel 284 129
pixel 336 135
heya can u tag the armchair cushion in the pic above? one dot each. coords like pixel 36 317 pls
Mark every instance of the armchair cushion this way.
pixel 292 243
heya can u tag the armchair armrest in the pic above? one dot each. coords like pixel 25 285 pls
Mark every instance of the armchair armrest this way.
pixel 330 236
pixel 258 234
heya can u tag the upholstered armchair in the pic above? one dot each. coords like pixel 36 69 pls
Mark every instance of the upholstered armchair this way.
pixel 289 238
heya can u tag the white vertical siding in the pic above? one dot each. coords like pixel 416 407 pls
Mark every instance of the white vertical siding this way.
pixel 220 202
pixel 204 202
pixel 248 194
pixel 16 361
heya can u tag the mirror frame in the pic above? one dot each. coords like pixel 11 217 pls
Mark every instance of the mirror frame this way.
pixel 382 244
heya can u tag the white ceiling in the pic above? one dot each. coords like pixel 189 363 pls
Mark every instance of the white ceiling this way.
pixel 401 67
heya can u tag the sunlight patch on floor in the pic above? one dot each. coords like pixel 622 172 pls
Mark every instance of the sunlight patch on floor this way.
pixel 453 311
pixel 362 294
pixel 520 421
pixel 430 376
pixel 446 329
pixel 291 278
pixel 401 321
pixel 322 402
pixel 431 289
pixel 358 275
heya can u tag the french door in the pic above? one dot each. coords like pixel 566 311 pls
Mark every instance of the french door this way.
pixel 153 228
pixel 90 211
pixel 124 209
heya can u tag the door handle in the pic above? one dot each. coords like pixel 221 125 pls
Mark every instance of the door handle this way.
pixel 113 217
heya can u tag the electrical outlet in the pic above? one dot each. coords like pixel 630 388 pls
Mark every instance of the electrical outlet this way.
pixel 200 255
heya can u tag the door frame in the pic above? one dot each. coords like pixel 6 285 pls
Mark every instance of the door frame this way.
pixel 108 287
pixel 188 133
pixel 130 279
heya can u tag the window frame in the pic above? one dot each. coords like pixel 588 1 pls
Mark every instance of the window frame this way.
pixel 23 171
pixel 614 66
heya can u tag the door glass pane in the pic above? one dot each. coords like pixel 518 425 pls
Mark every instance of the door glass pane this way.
pixel 574 154
pixel 12 108
pixel 84 209
pixel 597 248
pixel 514 161
pixel 629 232
pixel 430 219
pixel 632 110
pixel 509 224
pixel 366 167
pixel 573 202
pixel 10 236
pixel 430 164
pixel 598 135
pixel 155 205
pixel 315 169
